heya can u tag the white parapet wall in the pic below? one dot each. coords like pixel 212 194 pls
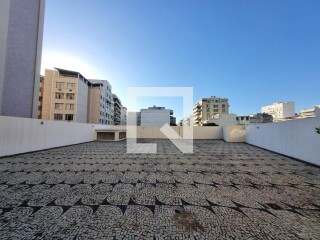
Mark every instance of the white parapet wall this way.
pixel 234 133
pixel 20 135
pixel 198 132
pixel 296 138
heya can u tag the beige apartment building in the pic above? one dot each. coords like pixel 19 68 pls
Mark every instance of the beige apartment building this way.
pixel 207 108
pixel 100 102
pixel 65 96
pixel 68 96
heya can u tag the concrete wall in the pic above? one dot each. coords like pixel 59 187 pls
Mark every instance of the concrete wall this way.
pixel 198 132
pixel 20 135
pixel 295 138
pixel 234 133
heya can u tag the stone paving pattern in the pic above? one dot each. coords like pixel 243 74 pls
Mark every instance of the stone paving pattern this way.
pixel 98 191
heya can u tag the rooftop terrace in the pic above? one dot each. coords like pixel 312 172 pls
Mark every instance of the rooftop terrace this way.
pixel 97 190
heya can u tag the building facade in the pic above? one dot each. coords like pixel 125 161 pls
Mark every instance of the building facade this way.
pixel 310 112
pixel 21 31
pixel 155 116
pixel 117 110
pixel 99 102
pixel 123 116
pixel 65 96
pixel 280 110
pixel 207 108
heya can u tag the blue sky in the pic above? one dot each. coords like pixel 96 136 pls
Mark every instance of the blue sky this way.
pixel 252 52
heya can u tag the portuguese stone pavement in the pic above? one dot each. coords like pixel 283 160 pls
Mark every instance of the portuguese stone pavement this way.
pixel 98 191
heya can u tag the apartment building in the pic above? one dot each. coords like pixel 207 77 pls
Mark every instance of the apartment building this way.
pixel 117 110
pixel 280 110
pixel 21 31
pixel 99 102
pixel 65 96
pixel 123 117
pixel 156 116
pixel 310 112
pixel 207 108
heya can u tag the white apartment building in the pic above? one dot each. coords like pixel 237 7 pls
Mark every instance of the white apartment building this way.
pixel 310 112
pixel 207 108
pixel 280 110
pixel 155 116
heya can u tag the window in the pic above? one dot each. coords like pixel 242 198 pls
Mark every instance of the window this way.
pixel 59 95
pixel 215 106
pixel 57 116
pixel 58 106
pixel 60 85
pixel 215 110
pixel 71 85
pixel 70 95
pixel 69 106
pixel 69 117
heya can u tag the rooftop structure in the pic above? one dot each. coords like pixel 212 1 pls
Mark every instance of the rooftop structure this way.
pixel 97 190
pixel 222 119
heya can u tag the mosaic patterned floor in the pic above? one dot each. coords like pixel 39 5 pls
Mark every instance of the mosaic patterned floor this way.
pixel 98 191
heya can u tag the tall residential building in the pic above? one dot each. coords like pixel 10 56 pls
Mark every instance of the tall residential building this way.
pixel 280 110
pixel 65 96
pixel 117 109
pixel 21 30
pixel 207 108
pixel 155 116
pixel 123 116
pixel 99 102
